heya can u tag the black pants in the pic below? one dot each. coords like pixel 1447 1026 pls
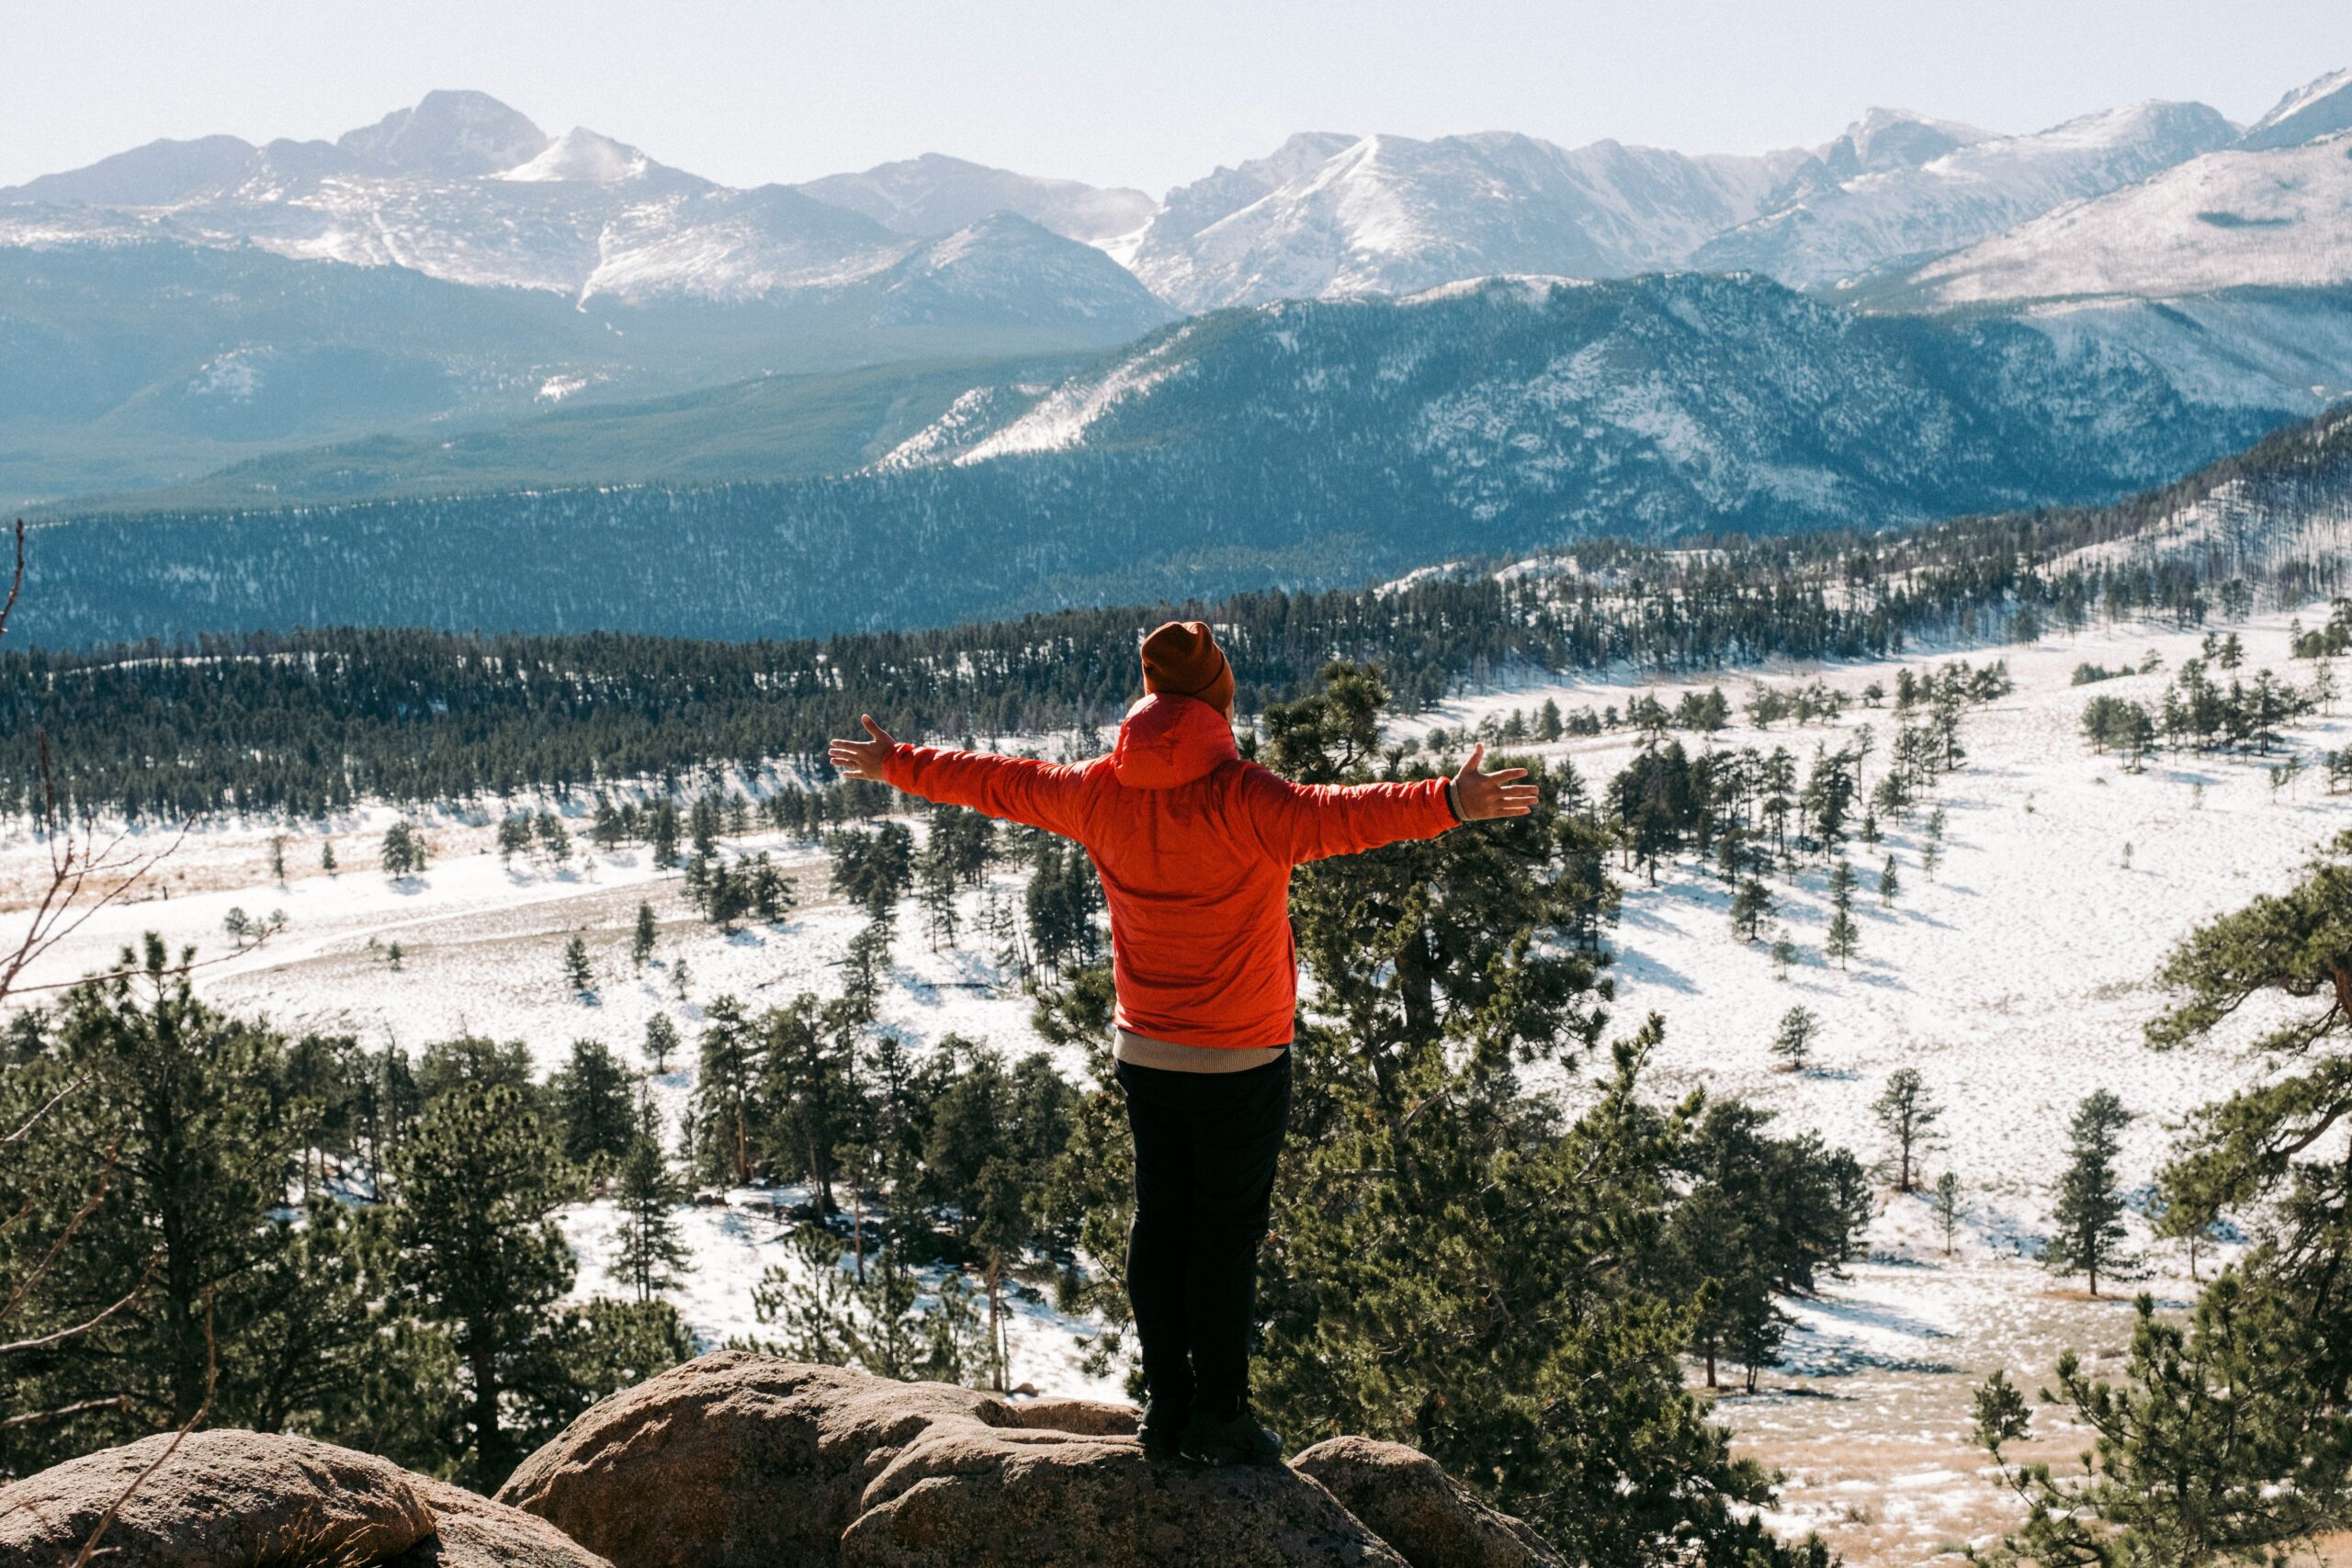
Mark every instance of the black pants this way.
pixel 1205 1144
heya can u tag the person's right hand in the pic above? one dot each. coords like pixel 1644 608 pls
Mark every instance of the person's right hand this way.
pixel 1482 796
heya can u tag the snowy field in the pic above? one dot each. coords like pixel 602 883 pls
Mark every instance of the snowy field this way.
pixel 2016 981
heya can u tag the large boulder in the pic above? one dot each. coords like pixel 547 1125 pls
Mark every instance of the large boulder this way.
pixel 223 1499
pixel 471 1531
pixel 966 1495
pixel 235 1499
pixel 1413 1505
pixel 737 1461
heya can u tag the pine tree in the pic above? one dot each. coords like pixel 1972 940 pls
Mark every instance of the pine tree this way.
pixel 403 853
pixel 1946 1208
pixel 935 885
pixel 640 947
pixel 155 1181
pixel 513 838
pixel 1750 907
pixel 1889 884
pixel 554 840
pixel 769 890
pixel 679 979
pixel 662 832
pixel 277 858
pixel 579 975
pixel 589 1102
pixel 326 856
pixel 651 1256
pixel 1784 953
pixel 2224 1403
pixel 725 1090
pixel 1844 937
pixel 1909 1113
pixel 807 1090
pixel 2087 1223
pixel 1793 1042
pixel 863 971
pixel 480 1253
pixel 661 1039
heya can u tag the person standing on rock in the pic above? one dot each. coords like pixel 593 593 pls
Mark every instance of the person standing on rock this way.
pixel 1194 849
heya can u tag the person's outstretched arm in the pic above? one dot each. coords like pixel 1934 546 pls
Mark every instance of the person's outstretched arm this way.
pixel 1305 822
pixel 1042 795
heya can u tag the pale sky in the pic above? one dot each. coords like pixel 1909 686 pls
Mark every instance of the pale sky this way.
pixel 1117 92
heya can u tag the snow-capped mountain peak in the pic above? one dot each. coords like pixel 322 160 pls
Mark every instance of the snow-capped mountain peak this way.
pixel 585 156
pixel 2315 110
pixel 1397 214
pixel 450 133
pixel 936 195
pixel 464 190
pixel 1892 138
pixel 1826 226
pixel 2236 217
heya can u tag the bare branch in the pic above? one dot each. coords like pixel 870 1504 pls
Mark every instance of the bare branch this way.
pixel 16 583
pixel 49 1258
pixel 34 1418
pixel 56 1100
pixel 61 1336
pixel 212 1378
pixel 61 908
pixel 171 973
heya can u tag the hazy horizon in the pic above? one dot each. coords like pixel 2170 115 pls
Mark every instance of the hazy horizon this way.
pixel 751 94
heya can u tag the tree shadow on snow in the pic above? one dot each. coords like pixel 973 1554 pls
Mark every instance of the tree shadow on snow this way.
pixel 1640 967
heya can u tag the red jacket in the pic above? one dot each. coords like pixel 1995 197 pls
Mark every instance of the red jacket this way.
pixel 1194 847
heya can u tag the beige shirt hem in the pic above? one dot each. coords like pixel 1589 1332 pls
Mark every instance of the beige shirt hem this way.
pixel 1167 1056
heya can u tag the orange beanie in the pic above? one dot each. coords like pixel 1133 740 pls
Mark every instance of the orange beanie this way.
pixel 1184 659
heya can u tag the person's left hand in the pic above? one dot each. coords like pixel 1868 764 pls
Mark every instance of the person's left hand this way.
pixel 863 759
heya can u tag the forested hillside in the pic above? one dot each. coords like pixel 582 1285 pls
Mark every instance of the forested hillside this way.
pixel 311 720
pixel 1299 446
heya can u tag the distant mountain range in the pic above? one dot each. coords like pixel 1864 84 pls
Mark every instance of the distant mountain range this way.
pixel 2274 211
pixel 1297 444
pixel 453 269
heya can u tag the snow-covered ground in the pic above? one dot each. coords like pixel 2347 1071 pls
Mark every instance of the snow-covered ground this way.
pixel 2016 981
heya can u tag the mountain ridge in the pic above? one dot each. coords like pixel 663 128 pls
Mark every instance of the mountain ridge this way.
pixel 1298 444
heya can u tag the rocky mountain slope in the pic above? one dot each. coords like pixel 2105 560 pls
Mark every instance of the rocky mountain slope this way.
pixel 737 1461
pixel 937 194
pixel 2273 211
pixel 1392 215
pixel 1839 217
pixel 463 188
pixel 1295 444
pixel 454 262
pixel 675 282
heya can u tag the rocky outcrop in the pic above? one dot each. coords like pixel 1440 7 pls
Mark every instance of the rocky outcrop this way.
pixel 233 1499
pixel 471 1531
pixel 743 1462
pixel 737 1461
pixel 1409 1501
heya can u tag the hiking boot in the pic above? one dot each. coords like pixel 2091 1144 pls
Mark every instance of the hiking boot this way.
pixel 1239 1438
pixel 1163 1424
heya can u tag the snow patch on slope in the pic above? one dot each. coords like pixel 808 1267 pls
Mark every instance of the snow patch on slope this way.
pixel 1067 413
pixel 2236 219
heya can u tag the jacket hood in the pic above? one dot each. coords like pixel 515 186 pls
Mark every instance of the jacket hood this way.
pixel 1167 740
